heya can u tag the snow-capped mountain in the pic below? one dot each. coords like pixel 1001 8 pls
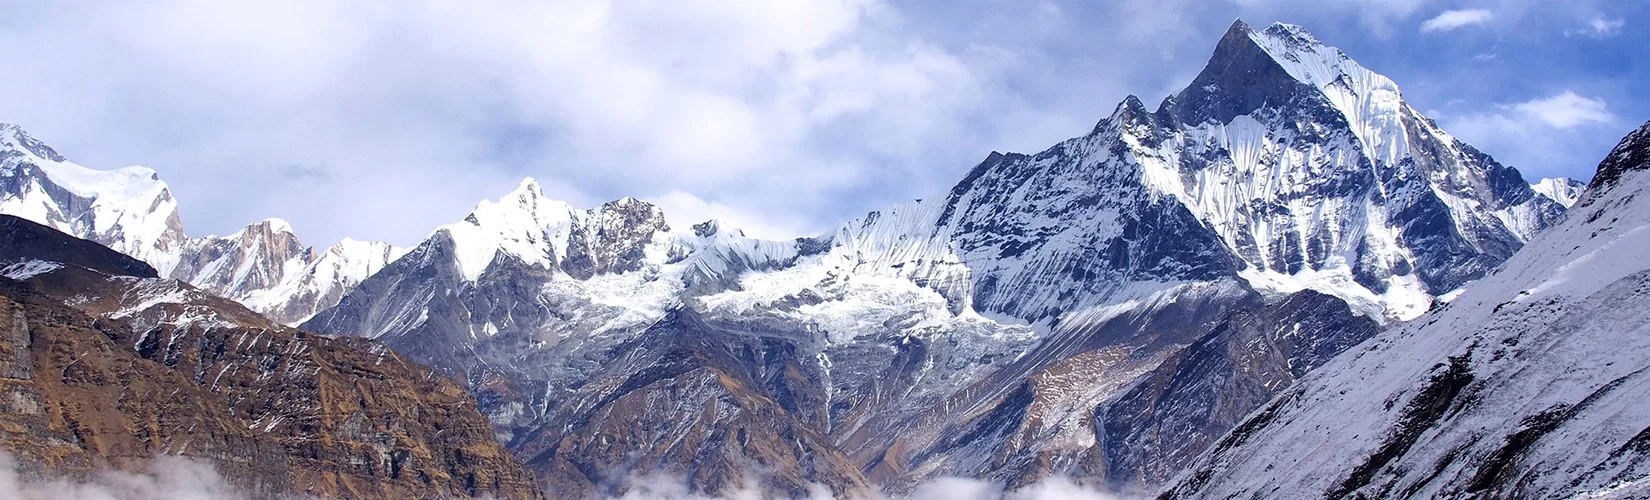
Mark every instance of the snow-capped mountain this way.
pixel 1565 191
pixel 131 210
pixel 1191 260
pixel 1529 385
pixel 266 268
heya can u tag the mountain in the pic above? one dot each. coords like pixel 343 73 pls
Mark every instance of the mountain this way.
pixel 1562 190
pixel 131 210
pixel 1106 308
pixel 103 364
pixel 1528 385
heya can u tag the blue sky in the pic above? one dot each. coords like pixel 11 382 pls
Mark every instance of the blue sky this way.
pixel 381 120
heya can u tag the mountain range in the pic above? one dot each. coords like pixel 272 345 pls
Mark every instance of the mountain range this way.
pixel 1115 307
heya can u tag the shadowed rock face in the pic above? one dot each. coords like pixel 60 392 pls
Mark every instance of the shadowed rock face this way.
pixel 721 408
pixel 140 366
pixel 21 240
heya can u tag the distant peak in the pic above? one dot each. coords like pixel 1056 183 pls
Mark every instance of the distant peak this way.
pixel 633 207
pixel 12 135
pixel 528 186
pixel 275 224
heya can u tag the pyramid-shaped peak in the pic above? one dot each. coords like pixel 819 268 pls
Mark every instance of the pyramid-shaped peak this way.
pixel 1250 69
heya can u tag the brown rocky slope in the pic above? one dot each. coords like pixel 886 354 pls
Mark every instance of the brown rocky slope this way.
pixel 103 367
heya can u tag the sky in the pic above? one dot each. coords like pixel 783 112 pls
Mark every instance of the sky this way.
pixel 380 120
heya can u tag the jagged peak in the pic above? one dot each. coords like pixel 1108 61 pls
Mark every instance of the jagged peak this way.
pixel 627 203
pixel 527 188
pixel 275 224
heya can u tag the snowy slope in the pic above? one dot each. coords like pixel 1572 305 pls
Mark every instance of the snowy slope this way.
pixel 131 210
pixel 1530 384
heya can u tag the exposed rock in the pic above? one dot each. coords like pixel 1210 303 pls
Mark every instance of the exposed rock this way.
pixel 140 366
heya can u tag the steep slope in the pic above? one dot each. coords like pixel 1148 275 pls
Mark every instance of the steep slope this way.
pixel 1528 385
pixel 131 210
pixel 1187 262
pixel 107 369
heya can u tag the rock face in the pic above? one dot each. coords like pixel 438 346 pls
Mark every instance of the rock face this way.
pixel 1528 385
pixel 104 365
pixel 132 211
pixel 1104 308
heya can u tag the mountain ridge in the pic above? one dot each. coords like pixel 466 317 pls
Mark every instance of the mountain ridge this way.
pixel 939 337
pixel 948 336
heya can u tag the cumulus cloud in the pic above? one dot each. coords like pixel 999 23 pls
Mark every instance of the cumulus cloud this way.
pixel 1452 19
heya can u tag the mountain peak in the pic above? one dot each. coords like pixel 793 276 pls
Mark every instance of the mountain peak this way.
pixel 274 225
pixel 528 188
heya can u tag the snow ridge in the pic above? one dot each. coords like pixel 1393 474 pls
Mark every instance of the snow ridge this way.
pixel 132 211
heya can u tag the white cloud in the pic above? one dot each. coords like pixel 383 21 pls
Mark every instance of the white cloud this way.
pixel 1452 19
pixel 683 210
pixel 457 102
pixel 1603 27
pixel 1536 136
pixel 166 478
pixel 1566 110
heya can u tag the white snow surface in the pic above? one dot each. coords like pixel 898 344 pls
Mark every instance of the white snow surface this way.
pixel 29 269
pixel 1563 327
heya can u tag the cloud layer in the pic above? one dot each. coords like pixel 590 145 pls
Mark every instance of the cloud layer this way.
pixel 167 478
pixel 383 119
